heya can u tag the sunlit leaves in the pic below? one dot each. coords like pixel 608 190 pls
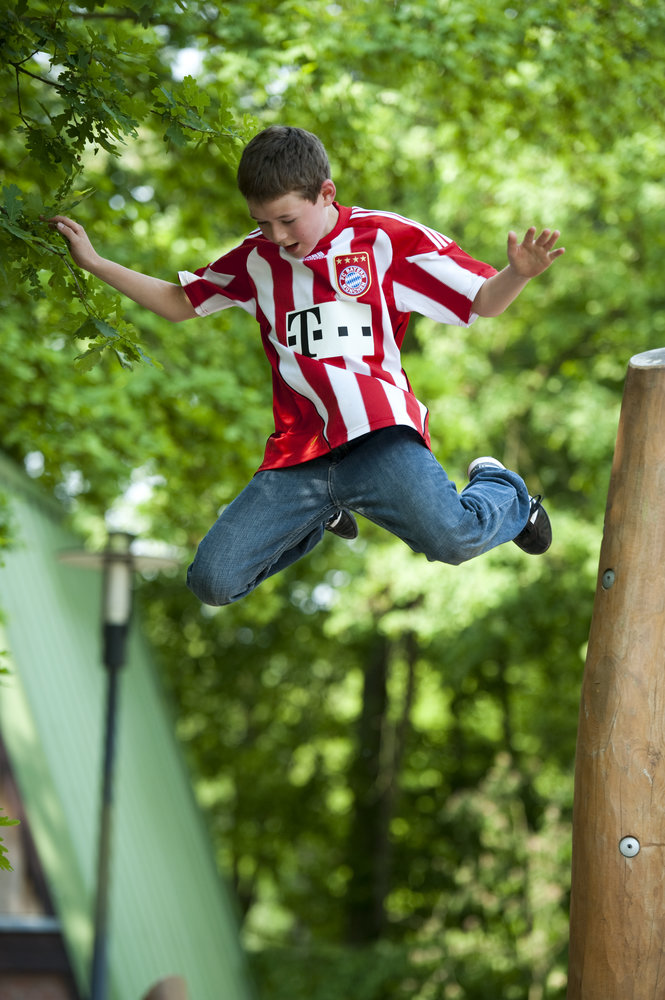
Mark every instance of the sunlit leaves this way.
pixel 79 86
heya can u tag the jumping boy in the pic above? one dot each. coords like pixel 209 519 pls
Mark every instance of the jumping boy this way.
pixel 332 289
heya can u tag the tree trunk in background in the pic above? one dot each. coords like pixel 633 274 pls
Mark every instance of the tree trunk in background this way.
pixel 368 838
pixel 374 781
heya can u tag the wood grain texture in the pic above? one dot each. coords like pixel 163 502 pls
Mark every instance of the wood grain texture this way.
pixel 617 924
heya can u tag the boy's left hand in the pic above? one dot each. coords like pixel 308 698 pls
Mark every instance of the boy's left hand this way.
pixel 534 254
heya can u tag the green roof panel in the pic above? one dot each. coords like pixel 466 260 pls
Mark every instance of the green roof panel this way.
pixel 170 914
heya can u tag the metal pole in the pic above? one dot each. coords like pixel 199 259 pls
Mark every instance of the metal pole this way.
pixel 617 923
pixel 116 613
pixel 98 987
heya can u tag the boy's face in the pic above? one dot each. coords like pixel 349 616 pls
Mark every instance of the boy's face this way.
pixel 294 222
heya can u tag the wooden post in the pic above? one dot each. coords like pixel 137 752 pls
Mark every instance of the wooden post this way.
pixel 617 921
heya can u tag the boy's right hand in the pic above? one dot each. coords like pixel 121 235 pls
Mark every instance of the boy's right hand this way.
pixel 81 248
pixel 165 298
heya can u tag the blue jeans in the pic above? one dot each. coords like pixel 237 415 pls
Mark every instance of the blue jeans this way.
pixel 390 477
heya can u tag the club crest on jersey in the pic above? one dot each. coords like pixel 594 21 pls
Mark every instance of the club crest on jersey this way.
pixel 352 272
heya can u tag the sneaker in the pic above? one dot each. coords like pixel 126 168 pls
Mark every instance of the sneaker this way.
pixel 343 524
pixel 486 462
pixel 536 537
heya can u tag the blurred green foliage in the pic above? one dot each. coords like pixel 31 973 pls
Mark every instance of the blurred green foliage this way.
pixel 5 865
pixel 383 747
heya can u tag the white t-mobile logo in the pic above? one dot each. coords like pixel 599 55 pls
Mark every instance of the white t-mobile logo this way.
pixel 331 329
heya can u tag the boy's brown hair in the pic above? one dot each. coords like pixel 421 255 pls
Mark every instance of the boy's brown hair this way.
pixel 282 159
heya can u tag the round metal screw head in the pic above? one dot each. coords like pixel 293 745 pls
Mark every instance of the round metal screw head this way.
pixel 629 847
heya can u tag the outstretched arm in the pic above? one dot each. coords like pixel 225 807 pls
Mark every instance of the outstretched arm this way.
pixel 165 298
pixel 525 260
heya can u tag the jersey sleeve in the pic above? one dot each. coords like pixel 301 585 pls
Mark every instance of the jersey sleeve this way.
pixel 219 285
pixel 439 281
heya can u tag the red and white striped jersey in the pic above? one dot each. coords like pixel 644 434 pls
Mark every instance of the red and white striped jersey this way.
pixel 333 323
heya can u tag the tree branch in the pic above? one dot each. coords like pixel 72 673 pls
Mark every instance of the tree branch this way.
pixel 18 66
